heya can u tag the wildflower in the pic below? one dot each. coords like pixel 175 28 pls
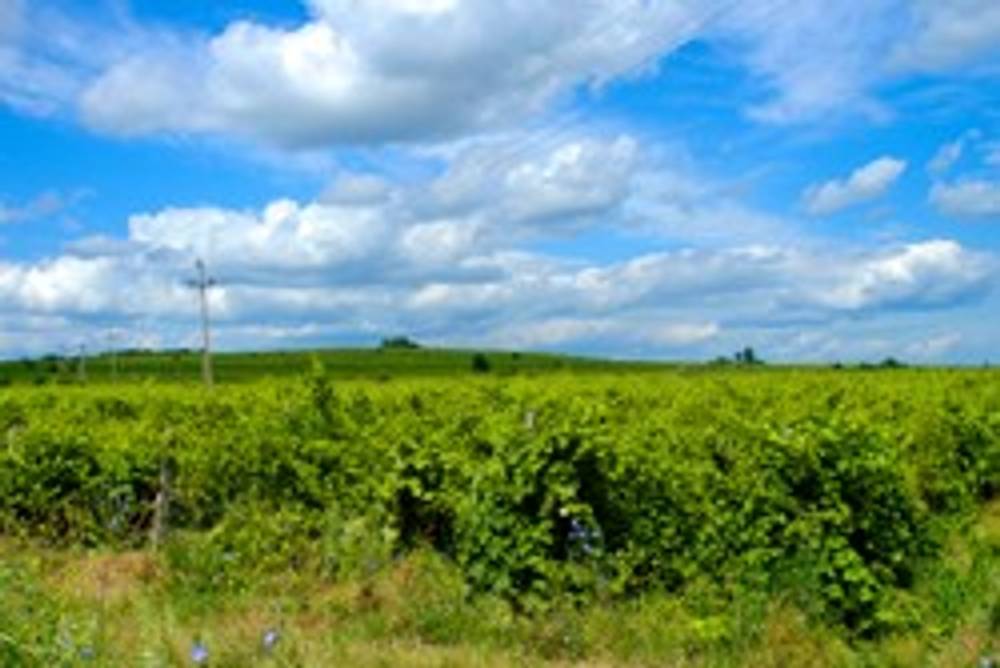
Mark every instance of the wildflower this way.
pixel 270 639
pixel 199 653
pixel 587 538
pixel 87 653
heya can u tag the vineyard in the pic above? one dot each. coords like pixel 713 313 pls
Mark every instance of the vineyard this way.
pixel 730 517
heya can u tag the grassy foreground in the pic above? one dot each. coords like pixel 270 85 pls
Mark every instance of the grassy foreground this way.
pixel 101 608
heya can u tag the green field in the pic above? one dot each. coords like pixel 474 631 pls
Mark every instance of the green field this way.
pixel 353 363
pixel 423 514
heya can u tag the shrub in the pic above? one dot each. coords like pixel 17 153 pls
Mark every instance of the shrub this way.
pixel 481 363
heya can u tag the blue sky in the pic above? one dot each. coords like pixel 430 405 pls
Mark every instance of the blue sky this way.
pixel 634 178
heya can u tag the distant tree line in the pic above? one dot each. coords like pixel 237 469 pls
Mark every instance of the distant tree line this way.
pixel 398 343
pixel 745 357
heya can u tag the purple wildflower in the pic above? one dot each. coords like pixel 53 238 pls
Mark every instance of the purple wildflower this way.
pixel 199 653
pixel 270 639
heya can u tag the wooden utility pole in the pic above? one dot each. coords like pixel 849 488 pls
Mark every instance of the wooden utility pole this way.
pixel 203 284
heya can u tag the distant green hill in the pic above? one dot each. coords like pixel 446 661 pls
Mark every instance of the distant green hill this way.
pixel 370 363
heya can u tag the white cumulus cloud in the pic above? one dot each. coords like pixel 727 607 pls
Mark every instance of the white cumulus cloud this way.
pixel 928 274
pixel 968 199
pixel 946 157
pixel 371 72
pixel 864 184
pixel 949 34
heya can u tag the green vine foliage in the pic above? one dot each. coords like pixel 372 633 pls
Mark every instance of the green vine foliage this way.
pixel 830 486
